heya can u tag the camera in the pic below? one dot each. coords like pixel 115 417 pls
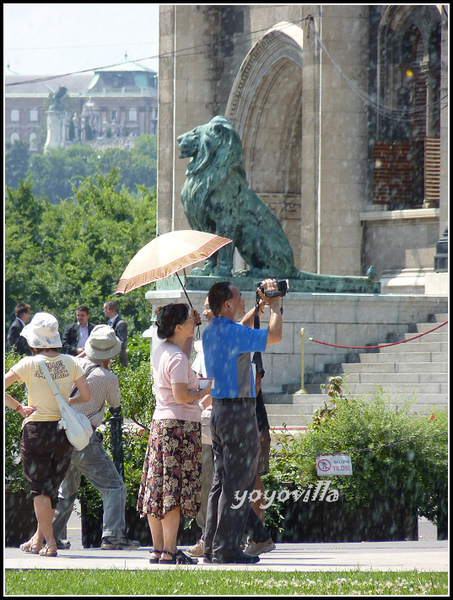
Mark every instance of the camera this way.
pixel 282 290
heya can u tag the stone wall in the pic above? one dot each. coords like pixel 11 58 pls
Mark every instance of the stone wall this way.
pixel 400 239
pixel 342 319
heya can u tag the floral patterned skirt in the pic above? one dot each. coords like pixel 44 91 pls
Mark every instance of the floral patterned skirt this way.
pixel 171 474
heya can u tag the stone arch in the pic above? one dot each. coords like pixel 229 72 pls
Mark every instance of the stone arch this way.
pixel 265 107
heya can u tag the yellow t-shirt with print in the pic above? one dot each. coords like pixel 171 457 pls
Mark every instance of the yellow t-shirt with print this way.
pixel 64 370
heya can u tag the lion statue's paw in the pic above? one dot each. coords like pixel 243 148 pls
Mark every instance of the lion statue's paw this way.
pixel 241 273
pixel 201 271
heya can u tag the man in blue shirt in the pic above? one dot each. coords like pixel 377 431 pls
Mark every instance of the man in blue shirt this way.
pixel 235 437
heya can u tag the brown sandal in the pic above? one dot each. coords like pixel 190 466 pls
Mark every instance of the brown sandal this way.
pixel 48 552
pixel 30 548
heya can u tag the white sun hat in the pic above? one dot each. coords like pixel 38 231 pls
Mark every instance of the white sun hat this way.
pixel 42 331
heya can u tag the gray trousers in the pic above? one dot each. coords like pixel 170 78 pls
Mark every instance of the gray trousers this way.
pixel 97 466
pixel 207 469
pixel 236 447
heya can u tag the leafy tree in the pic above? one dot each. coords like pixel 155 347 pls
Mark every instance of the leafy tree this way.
pixel 61 255
pixel 23 215
pixel 16 162
pixel 14 473
pixel 55 173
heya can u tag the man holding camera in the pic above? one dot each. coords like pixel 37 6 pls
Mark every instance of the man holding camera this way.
pixel 235 437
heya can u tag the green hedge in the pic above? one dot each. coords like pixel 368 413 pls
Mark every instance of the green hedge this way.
pixel 396 454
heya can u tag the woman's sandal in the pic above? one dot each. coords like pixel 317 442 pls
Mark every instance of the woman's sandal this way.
pixel 155 559
pixel 184 559
pixel 48 552
pixel 30 548
pixel 178 558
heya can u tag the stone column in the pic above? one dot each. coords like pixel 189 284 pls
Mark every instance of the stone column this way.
pixel 166 132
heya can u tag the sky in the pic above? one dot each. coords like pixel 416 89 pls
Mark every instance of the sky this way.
pixel 60 38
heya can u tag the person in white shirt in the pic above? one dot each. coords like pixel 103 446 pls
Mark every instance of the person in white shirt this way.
pixel 76 335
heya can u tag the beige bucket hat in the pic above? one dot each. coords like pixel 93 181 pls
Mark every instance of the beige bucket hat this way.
pixel 102 343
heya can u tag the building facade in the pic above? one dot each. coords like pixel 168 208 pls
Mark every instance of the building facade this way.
pixel 110 108
pixel 343 116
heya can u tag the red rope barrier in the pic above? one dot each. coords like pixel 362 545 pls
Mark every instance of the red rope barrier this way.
pixel 382 345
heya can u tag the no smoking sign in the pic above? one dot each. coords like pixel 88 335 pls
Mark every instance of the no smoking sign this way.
pixel 338 464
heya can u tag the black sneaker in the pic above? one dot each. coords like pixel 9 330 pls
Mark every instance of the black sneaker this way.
pixel 63 544
pixel 239 557
pixel 112 543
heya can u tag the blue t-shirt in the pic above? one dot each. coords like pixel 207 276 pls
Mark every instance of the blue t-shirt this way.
pixel 226 348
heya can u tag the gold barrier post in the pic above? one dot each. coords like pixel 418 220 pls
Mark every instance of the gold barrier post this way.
pixel 302 366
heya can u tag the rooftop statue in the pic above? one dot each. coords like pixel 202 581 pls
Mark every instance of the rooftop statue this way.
pixel 217 199
pixel 56 98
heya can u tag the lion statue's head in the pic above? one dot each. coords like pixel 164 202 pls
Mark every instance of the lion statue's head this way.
pixel 215 145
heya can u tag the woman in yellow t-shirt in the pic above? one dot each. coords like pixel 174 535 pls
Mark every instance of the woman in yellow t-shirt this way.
pixel 44 448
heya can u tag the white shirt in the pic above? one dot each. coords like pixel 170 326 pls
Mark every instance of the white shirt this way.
pixel 84 335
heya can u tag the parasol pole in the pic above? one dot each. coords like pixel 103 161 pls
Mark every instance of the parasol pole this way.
pixel 184 290
pixel 198 335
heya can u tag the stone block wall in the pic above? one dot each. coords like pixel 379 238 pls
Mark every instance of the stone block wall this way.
pixel 341 319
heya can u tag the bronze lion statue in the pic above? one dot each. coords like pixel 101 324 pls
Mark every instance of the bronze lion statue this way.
pixel 217 199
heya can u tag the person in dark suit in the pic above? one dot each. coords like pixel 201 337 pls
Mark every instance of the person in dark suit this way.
pixel 16 341
pixel 75 335
pixel 119 326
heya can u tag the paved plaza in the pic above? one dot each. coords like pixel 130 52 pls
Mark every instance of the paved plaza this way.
pixel 366 556
pixel 426 554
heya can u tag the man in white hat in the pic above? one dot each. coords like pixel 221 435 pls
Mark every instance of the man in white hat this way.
pixel 93 461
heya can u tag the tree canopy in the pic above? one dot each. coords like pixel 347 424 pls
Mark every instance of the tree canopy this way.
pixel 55 173
pixel 58 256
pixel 17 160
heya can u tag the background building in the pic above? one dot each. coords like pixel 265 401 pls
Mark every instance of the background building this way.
pixel 111 107
pixel 342 112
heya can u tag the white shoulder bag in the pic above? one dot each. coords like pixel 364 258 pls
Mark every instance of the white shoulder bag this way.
pixel 77 426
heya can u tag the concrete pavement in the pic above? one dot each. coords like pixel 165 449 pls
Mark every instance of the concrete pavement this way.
pixel 426 554
pixel 366 556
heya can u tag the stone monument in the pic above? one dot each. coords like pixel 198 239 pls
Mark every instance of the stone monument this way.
pixel 57 124
pixel 217 199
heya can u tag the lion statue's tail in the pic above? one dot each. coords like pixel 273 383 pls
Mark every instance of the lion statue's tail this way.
pixel 338 283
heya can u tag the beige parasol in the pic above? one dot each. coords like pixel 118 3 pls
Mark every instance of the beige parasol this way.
pixel 167 254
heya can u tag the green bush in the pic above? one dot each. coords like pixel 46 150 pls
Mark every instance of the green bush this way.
pixel 14 475
pixel 397 456
pixel 137 398
pixel 138 350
